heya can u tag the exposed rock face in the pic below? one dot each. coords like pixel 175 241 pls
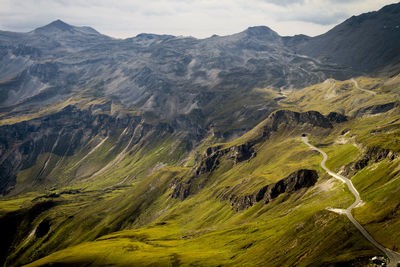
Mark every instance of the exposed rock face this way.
pixel 376 109
pixel 336 117
pixel 371 155
pixel 165 75
pixel 181 189
pixel 236 153
pixel 213 155
pixel 366 42
pixel 287 117
pixel 295 181
pixel 43 228
pixel 278 121
pixel 62 134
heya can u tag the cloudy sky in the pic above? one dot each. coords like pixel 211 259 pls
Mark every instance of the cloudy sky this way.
pixel 199 18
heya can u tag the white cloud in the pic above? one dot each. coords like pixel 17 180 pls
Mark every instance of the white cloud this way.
pixel 199 18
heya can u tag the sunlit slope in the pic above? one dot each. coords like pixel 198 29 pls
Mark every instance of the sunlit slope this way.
pixel 203 229
pixel 344 96
pixel 141 217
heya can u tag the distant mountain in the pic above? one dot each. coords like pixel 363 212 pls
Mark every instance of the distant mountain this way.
pixel 162 75
pixel 169 77
pixel 61 26
pixel 364 43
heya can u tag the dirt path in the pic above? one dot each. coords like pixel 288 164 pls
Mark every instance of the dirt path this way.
pixel 365 90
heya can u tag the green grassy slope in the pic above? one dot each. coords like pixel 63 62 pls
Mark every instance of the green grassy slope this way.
pixel 125 215
pixel 204 230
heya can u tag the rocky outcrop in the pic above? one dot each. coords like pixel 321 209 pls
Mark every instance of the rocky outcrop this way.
pixel 213 155
pixel 336 117
pixel 276 121
pixel 291 118
pixel 376 109
pixel 181 189
pixel 237 153
pixel 295 181
pixel 371 155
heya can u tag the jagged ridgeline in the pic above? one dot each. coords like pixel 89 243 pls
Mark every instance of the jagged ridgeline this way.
pixel 163 150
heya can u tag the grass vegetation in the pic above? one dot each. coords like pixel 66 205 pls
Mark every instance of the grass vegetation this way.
pixel 135 221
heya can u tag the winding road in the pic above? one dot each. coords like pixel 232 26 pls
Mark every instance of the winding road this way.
pixel 365 90
pixel 394 257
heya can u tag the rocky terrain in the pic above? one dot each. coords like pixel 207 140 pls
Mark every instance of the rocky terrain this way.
pixel 365 43
pixel 65 134
pixel 295 181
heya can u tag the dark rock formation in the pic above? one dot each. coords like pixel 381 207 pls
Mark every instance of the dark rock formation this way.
pixel 287 117
pixel 181 190
pixel 295 181
pixel 372 154
pixel 336 117
pixel 276 121
pixel 213 154
pixel 364 43
pixel 376 109
pixel 211 160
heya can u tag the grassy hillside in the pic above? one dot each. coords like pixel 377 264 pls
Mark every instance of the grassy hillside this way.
pixel 116 206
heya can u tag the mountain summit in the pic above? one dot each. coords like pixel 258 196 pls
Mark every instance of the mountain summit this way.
pixel 262 32
pixel 59 26
pixel 56 25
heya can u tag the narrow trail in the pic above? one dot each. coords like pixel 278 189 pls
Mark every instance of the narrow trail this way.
pixel 393 256
pixel 365 90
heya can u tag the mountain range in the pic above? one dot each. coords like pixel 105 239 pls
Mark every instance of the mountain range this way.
pixel 165 150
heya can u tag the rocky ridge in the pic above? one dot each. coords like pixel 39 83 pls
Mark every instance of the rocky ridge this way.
pixel 366 43
pixel 295 181
pixel 63 134
pixel 370 155
pixel 281 120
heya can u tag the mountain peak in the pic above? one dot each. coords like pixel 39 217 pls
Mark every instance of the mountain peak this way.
pixel 150 36
pixel 59 25
pixel 258 29
pixel 261 32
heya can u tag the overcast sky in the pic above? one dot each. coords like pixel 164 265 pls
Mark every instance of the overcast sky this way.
pixel 198 18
